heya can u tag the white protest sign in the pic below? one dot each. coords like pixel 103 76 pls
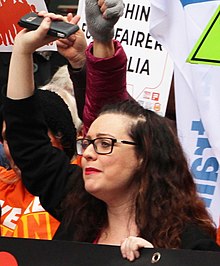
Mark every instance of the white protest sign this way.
pixel 149 68
pixel 10 13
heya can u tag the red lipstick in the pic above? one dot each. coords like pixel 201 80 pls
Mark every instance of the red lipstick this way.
pixel 91 170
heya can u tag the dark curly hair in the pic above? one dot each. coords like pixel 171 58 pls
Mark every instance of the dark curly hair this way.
pixel 166 200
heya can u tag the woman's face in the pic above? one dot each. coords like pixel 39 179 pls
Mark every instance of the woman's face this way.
pixel 109 177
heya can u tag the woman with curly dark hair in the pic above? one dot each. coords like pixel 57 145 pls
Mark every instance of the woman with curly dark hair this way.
pixel 165 206
pixel 138 170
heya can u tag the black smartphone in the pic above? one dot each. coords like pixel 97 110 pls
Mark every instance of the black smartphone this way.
pixel 58 28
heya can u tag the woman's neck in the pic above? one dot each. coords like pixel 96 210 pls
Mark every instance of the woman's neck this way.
pixel 121 224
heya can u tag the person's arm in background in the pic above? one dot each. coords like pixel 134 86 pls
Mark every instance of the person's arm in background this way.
pixel 73 49
pixel 106 60
pixel 78 77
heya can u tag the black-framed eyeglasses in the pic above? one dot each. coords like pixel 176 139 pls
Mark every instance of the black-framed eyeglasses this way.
pixel 101 145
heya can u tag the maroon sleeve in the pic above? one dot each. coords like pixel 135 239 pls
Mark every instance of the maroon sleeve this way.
pixel 105 82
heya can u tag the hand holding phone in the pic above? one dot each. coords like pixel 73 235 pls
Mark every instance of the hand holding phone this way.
pixel 58 28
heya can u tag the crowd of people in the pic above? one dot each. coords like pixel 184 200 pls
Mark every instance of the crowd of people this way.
pixel 123 180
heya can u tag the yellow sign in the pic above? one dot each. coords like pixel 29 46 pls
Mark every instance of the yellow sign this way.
pixel 207 48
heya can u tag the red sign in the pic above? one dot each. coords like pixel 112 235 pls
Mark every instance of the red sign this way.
pixel 10 13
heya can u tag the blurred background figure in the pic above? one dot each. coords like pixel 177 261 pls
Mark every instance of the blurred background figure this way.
pixel 22 213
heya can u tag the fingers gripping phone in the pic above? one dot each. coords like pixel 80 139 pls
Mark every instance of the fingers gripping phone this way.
pixel 58 28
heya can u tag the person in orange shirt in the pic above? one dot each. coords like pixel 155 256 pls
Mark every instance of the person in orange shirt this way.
pixel 21 213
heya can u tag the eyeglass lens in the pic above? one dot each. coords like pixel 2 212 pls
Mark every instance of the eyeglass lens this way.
pixel 101 145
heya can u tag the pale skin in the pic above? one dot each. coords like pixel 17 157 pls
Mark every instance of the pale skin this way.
pixel 122 229
pixel 105 179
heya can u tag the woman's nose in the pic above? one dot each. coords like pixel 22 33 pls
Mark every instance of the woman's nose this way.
pixel 89 152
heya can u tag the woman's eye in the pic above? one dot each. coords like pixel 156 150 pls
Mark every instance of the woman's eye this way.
pixel 85 144
pixel 105 144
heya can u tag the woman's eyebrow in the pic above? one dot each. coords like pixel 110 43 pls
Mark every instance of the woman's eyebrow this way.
pixel 99 135
pixel 107 135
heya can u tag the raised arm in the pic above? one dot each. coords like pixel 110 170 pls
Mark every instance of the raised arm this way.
pixel 46 171
pixel 106 59
pixel 21 78
pixel 73 49
pixel 98 73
